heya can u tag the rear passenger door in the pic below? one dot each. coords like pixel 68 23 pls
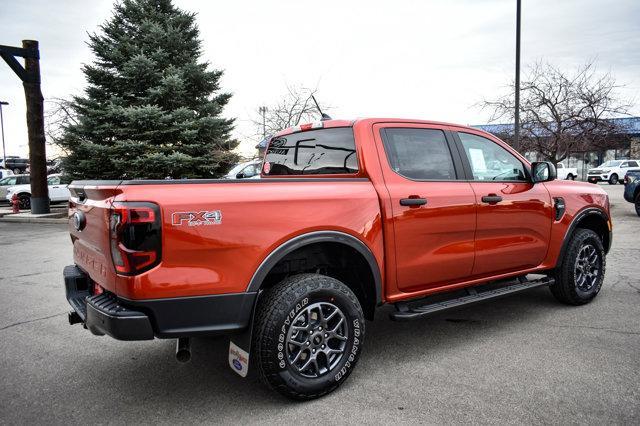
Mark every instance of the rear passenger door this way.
pixel 514 215
pixel 433 208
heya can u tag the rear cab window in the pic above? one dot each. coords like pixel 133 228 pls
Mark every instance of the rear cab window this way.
pixel 313 152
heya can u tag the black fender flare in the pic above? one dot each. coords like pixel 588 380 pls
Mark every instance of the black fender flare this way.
pixel 574 223
pixel 316 237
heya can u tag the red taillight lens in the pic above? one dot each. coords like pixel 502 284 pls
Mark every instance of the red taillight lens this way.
pixel 135 229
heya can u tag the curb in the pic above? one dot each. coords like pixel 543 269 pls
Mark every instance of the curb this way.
pixel 34 220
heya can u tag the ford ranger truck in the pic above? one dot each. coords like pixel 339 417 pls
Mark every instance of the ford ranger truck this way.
pixel 347 216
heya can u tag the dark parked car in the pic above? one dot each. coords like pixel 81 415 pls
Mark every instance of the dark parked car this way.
pixel 17 164
pixel 632 188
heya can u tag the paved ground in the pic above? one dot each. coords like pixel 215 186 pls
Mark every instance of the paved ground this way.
pixel 524 359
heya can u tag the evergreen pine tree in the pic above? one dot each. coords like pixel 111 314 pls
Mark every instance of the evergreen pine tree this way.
pixel 150 109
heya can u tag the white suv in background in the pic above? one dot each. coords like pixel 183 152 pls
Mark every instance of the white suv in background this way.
pixel 612 171
pixel 58 191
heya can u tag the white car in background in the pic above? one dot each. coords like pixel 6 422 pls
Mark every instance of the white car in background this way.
pixel 565 172
pixel 58 192
pixel 612 171
pixel 5 172
pixel 246 170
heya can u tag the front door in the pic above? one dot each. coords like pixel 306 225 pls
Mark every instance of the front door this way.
pixel 433 208
pixel 514 215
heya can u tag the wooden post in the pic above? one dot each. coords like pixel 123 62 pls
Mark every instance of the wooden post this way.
pixel 35 128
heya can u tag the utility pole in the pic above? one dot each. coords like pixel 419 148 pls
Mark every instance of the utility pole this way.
pixel 263 111
pixel 516 129
pixel 30 76
pixel 4 150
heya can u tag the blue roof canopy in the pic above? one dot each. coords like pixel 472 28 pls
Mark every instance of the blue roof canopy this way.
pixel 631 125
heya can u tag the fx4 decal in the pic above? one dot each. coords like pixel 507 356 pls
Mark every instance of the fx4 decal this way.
pixel 197 218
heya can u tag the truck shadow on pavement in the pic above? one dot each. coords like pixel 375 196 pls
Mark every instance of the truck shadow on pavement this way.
pixel 207 382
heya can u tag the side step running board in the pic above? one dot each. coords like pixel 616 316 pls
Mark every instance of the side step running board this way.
pixel 407 311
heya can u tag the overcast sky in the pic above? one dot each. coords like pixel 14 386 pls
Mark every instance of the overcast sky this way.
pixel 412 59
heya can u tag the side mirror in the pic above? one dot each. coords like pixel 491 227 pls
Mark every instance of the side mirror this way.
pixel 240 175
pixel 543 171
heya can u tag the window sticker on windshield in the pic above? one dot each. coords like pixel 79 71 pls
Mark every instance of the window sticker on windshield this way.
pixel 477 160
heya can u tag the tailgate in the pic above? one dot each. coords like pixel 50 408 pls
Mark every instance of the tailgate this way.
pixel 89 211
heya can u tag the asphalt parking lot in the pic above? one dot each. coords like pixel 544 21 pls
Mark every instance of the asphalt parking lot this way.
pixel 522 359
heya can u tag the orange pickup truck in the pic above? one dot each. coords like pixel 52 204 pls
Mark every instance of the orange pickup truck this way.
pixel 348 216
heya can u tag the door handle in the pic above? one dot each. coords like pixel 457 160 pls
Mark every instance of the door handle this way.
pixel 491 199
pixel 413 201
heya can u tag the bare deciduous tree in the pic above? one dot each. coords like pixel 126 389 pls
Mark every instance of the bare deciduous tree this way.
pixel 59 114
pixel 295 107
pixel 561 113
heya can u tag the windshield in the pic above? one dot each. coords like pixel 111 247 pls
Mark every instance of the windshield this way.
pixel 612 163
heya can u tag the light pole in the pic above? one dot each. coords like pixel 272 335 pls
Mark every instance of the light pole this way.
pixel 516 129
pixel 263 111
pixel 4 151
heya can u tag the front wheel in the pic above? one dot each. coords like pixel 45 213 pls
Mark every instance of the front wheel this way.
pixel 637 204
pixel 571 177
pixel 581 273
pixel 24 201
pixel 613 179
pixel 308 336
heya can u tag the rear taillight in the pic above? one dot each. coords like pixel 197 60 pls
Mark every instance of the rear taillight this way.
pixel 135 229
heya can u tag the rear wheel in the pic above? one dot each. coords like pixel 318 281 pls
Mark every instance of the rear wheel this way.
pixel 581 273
pixel 308 336
pixel 613 179
pixel 571 177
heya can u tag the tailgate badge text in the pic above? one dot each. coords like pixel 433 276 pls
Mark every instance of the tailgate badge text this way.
pixel 197 218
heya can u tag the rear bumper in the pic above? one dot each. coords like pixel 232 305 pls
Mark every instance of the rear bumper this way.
pixel 125 319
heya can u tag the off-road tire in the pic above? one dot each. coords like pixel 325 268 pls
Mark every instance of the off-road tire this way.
pixel 277 311
pixel 613 179
pixel 566 288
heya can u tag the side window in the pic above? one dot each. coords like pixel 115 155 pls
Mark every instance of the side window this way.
pixel 633 164
pixel 624 165
pixel 490 161
pixel 560 166
pixel 250 171
pixel 23 180
pixel 419 154
pixel 11 181
pixel 54 180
